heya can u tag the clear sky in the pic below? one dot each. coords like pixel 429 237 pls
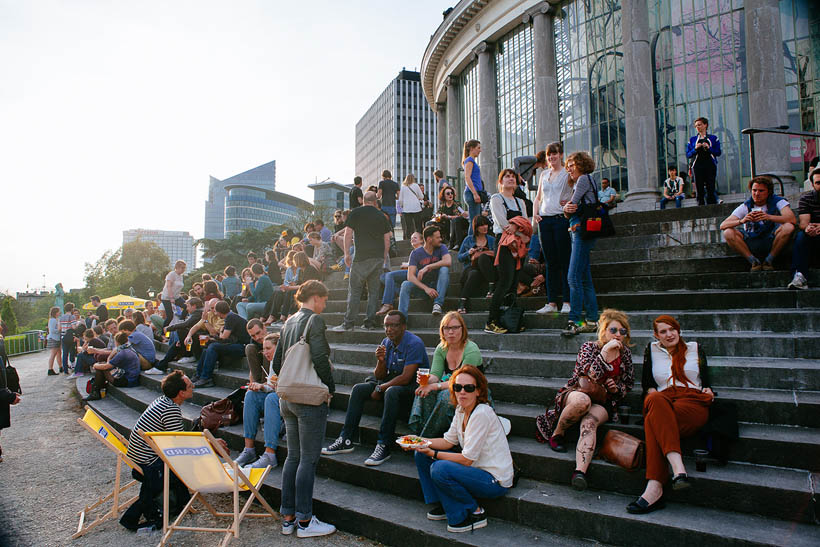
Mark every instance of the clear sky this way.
pixel 113 113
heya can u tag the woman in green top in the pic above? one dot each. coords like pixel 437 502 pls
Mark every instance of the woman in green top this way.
pixel 432 412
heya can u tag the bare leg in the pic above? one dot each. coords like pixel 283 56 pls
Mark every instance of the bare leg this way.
pixel 577 405
pixel 653 492
pixel 585 449
pixel 781 238
pixel 736 243
pixel 677 463
pixel 56 353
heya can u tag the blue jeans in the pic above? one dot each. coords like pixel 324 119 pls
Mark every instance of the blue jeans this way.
pixel 215 351
pixel 395 398
pixel 581 291
pixel 557 247
pixel 305 425
pixel 363 271
pixel 257 404
pixel 391 280
pixel 408 289
pixel 804 247
pixel 391 213
pixel 455 486
pixel 68 347
pixel 84 362
pixel 473 209
pixel 677 199
pixel 249 310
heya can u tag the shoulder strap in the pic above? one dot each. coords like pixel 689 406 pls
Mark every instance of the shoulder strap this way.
pixel 307 327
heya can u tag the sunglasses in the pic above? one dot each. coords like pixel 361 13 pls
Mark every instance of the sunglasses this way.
pixel 469 388
pixel 613 330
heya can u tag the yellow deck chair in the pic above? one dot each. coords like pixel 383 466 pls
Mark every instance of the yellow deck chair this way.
pixel 116 443
pixel 205 468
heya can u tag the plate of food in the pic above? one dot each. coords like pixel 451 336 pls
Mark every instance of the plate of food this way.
pixel 412 441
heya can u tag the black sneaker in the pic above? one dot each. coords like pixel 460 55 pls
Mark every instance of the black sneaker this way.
pixel 95 396
pixel 380 455
pixel 437 513
pixel 579 480
pixel 204 382
pixel 51 372
pixel 572 329
pixel 472 522
pixel 339 446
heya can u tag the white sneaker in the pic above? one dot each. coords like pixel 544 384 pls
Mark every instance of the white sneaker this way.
pixel 267 459
pixel 436 310
pixel 189 359
pixel 247 456
pixel 154 371
pixel 315 528
pixel 565 308
pixel 798 282
pixel 548 308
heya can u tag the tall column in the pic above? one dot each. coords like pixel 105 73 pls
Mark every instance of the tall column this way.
pixel 546 75
pixel 454 144
pixel 441 136
pixel 767 88
pixel 641 132
pixel 487 115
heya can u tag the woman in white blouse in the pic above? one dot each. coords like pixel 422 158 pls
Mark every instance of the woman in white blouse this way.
pixel 484 467
pixel 676 404
pixel 410 199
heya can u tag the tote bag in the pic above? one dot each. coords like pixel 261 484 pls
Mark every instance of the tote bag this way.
pixel 298 381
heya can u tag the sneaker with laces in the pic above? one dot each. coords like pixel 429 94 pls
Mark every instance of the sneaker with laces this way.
pixel 565 308
pixel 288 527
pixel 247 456
pixel 798 282
pixel 380 455
pixel 347 276
pixel 154 371
pixel 494 328
pixel 436 310
pixel 339 446
pixel 589 326
pixel 204 383
pixel 437 513
pixel 76 375
pixel 572 329
pixel 472 522
pixel 342 328
pixel 314 529
pixel 267 459
pixel 189 359
pixel 548 308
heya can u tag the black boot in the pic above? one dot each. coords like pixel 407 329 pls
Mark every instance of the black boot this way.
pixel 95 396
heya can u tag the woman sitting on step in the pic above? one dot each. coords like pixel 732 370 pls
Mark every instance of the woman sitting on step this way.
pixel 432 412
pixel 477 253
pixel 484 467
pixel 676 404
pixel 602 377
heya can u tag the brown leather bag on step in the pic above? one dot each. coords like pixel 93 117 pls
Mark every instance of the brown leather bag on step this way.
pixel 218 414
pixel 623 449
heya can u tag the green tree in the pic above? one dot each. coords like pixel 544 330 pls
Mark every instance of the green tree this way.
pixel 137 264
pixel 8 315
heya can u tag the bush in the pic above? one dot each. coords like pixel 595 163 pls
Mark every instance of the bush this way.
pixel 8 316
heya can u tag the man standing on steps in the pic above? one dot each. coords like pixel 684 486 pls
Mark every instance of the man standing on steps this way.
pixel 396 278
pixel 807 242
pixel 388 194
pixel 398 358
pixel 768 225
pixel 356 197
pixel 371 231
pixel 260 399
pixel 232 340
pixel 428 272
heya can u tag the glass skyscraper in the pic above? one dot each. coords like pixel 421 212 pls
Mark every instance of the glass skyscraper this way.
pixel 263 176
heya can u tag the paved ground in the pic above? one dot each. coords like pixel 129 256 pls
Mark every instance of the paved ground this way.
pixel 52 467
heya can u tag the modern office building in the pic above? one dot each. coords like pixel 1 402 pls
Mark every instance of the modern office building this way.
pixel 398 133
pixel 625 79
pixel 177 245
pixel 256 207
pixel 263 177
pixel 330 195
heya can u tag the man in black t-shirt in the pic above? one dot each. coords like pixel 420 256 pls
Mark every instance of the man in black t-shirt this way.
pixel 371 231
pixel 807 242
pixel 102 312
pixel 233 337
pixel 388 194
pixel 356 197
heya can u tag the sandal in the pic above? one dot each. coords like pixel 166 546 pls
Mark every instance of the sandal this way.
pixel 462 306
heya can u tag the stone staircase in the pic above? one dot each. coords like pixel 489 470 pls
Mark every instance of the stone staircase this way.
pixel 764 354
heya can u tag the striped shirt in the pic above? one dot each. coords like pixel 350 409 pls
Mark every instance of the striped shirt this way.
pixel 161 415
pixel 66 321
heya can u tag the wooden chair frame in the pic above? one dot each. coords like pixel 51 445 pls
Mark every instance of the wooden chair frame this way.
pixel 117 505
pixel 233 530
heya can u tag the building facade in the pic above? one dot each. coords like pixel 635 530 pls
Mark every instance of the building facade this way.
pixel 624 80
pixel 263 177
pixel 257 207
pixel 329 195
pixel 177 245
pixel 398 133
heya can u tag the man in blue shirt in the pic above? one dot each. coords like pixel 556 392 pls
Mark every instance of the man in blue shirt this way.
pixel 143 345
pixel 324 231
pixel 121 370
pixel 398 358
pixel 428 272
pixel 607 194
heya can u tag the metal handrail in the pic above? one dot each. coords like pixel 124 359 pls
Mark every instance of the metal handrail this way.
pixel 779 130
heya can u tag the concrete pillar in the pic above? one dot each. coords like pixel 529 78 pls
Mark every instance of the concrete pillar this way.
pixel 487 115
pixel 455 145
pixel 641 132
pixel 546 75
pixel 767 89
pixel 441 137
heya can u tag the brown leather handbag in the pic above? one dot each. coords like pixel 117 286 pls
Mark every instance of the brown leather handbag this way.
pixel 597 392
pixel 623 449
pixel 218 414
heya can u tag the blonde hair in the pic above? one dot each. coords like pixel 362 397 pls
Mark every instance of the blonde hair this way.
pixel 409 179
pixel 445 320
pixel 607 317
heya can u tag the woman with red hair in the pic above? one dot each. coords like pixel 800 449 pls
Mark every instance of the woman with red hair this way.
pixel 676 404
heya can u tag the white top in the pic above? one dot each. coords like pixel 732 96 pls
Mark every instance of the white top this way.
pixel 176 286
pixel 483 442
pixel 499 212
pixel 554 188
pixel 410 198
pixel 662 366
pixel 742 210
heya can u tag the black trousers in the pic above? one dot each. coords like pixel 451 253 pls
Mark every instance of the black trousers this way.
pixel 705 176
pixel 476 278
pixel 152 483
pixel 506 281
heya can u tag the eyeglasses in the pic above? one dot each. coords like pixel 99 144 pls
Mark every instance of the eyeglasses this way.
pixel 613 330
pixel 451 329
pixel 469 388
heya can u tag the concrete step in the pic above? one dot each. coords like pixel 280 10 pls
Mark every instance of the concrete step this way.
pixel 678 266
pixel 743 488
pixel 724 280
pixel 701 214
